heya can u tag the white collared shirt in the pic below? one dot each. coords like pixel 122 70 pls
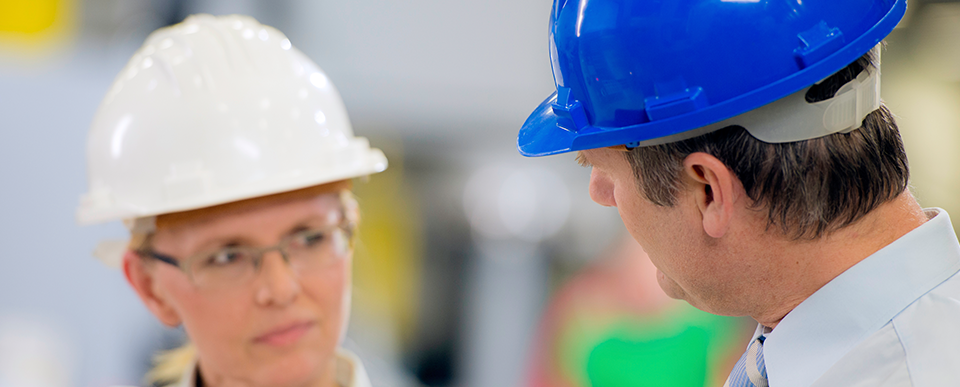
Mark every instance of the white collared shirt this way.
pixel 350 372
pixel 892 319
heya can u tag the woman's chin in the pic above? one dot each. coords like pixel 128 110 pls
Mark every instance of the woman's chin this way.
pixel 295 369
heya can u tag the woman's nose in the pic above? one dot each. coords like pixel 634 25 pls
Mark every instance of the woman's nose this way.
pixel 277 283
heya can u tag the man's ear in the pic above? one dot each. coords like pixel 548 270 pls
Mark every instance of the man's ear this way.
pixel 715 189
pixel 142 281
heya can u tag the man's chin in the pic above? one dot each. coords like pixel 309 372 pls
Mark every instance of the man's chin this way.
pixel 670 287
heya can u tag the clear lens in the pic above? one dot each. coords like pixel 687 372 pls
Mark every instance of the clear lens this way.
pixel 224 266
pixel 308 240
pixel 314 249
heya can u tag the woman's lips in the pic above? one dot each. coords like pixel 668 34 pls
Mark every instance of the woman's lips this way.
pixel 285 335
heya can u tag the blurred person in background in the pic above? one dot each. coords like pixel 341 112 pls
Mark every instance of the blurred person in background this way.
pixel 229 156
pixel 746 149
pixel 611 325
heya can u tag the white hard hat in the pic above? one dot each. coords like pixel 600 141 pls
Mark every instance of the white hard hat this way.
pixel 215 110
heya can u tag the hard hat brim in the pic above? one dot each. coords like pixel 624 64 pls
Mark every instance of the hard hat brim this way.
pixel 541 135
pixel 373 162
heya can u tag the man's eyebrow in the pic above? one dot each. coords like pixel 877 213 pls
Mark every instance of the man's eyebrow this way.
pixel 582 160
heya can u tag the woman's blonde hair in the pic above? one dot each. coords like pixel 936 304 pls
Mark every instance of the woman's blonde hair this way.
pixel 169 366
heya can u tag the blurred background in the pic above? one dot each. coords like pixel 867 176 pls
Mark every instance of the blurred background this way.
pixel 476 268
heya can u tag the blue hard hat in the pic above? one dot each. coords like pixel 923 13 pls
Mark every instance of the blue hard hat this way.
pixel 643 72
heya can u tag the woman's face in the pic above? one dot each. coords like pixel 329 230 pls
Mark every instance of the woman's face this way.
pixel 280 327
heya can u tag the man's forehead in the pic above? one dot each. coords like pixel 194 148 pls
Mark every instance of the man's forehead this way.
pixel 597 154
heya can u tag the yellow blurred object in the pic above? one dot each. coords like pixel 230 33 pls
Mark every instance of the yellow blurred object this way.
pixel 387 260
pixel 35 26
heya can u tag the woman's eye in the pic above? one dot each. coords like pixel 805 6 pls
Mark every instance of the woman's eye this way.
pixel 224 257
pixel 310 239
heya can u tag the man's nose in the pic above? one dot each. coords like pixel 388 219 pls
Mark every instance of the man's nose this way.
pixel 601 188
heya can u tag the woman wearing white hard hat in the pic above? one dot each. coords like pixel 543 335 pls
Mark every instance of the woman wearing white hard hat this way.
pixel 228 155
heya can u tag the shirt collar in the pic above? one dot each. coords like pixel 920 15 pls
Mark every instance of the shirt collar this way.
pixel 350 371
pixel 860 301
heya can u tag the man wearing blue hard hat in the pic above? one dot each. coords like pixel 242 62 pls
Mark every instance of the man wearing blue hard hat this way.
pixel 746 148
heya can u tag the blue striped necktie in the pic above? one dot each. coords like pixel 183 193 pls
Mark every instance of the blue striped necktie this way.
pixel 750 370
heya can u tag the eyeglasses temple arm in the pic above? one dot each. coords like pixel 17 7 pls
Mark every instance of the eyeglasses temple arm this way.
pixel 163 258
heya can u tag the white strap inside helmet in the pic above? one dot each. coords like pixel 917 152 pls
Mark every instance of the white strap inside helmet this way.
pixel 792 118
